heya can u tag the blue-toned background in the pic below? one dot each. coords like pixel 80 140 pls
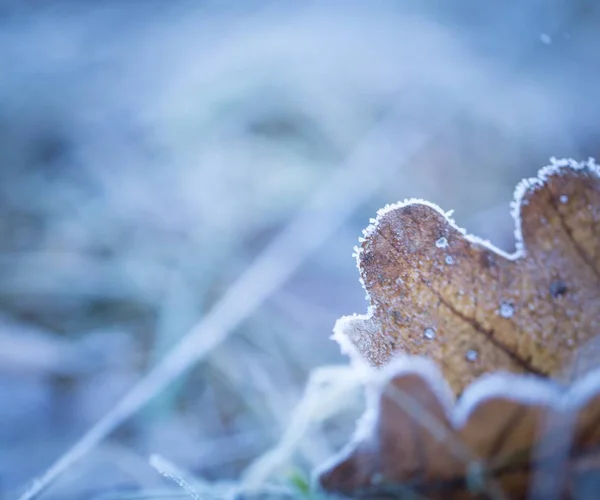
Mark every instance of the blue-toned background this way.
pixel 150 151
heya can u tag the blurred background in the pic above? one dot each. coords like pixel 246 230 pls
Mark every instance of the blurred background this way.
pixel 150 151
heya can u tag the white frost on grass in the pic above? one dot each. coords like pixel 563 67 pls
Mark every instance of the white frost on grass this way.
pixel 347 188
pixel 168 470
pixel 329 391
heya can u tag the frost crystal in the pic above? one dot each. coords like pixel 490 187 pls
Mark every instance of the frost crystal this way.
pixel 471 355
pixel 442 242
pixel 506 310
pixel 429 333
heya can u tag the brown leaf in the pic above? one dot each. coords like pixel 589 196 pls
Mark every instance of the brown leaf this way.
pixel 508 434
pixel 438 292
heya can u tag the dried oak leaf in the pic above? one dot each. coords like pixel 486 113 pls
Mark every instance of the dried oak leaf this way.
pixel 509 436
pixel 437 291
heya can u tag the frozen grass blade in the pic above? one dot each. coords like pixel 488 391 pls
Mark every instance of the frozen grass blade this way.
pixel 170 471
pixel 153 495
pixel 371 164
pixel 327 392
pixel 553 455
